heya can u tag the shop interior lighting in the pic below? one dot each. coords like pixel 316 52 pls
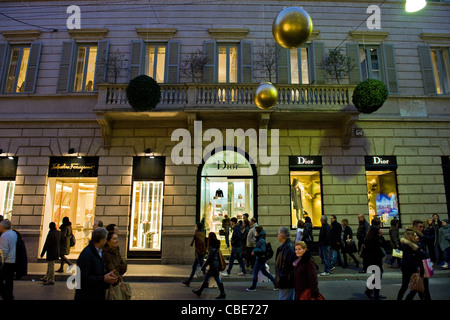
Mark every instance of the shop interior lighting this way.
pixel 415 5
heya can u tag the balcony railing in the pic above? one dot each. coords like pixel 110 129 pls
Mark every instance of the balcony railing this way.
pixel 205 95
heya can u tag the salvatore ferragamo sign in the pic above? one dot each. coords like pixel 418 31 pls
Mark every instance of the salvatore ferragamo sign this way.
pixel 73 167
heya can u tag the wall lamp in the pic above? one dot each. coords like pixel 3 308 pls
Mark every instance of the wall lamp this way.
pixel 73 151
pixel 415 5
pixel 6 154
pixel 148 153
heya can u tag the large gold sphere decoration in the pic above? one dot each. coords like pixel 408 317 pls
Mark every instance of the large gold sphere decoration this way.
pixel 292 27
pixel 266 96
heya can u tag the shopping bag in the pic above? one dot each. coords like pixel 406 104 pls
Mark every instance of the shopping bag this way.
pixel 428 267
pixel 306 295
pixel 397 253
pixel 121 291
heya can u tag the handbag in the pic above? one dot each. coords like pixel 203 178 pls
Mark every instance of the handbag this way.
pixel 121 291
pixel 428 267
pixel 223 264
pixel 397 253
pixel 350 246
pixel 416 282
pixel 72 240
pixel 306 295
pixel 222 232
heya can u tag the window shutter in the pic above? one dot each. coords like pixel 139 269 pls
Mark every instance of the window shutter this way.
pixel 427 69
pixel 390 67
pixel 246 62
pixel 3 50
pixel 137 57
pixel 65 66
pixel 101 63
pixel 173 66
pixel 282 65
pixel 33 66
pixel 318 54
pixel 210 74
pixel 355 60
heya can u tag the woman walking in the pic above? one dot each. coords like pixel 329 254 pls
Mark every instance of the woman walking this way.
pixel 305 274
pixel 64 248
pixel 411 262
pixel 349 244
pixel 212 266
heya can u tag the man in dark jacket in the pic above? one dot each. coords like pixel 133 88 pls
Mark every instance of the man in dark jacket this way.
pixel 336 241
pixel 236 249
pixel 51 246
pixel 324 245
pixel 94 279
pixel 362 230
pixel 284 259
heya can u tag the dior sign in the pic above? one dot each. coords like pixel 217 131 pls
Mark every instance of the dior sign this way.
pixel 189 150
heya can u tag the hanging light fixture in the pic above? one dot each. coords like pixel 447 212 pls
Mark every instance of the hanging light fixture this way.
pixel 415 5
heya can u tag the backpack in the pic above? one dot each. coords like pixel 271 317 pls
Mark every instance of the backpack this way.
pixel 269 251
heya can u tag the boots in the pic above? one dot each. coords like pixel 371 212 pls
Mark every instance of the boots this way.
pixel 222 292
pixel 200 290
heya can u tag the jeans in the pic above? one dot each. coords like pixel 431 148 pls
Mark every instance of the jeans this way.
pixel 236 253
pixel 50 275
pixel 324 253
pixel 198 261
pixel 335 257
pixel 260 265
pixel 286 294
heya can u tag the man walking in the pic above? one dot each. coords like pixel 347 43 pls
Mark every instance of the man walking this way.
pixel 251 242
pixel 362 230
pixel 236 249
pixel 324 245
pixel 336 241
pixel 284 259
pixel 51 247
pixel 8 244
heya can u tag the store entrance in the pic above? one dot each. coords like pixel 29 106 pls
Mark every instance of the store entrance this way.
pixel 227 190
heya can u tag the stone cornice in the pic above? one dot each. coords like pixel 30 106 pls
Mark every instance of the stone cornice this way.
pixel 156 34
pixel 88 34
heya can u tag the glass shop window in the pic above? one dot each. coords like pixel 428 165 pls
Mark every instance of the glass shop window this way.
pixel 382 193
pixel 6 198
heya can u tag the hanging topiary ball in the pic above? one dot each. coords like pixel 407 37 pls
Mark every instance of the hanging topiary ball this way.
pixel 369 95
pixel 143 93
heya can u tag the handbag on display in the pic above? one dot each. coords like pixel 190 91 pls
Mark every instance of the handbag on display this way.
pixel 122 291
pixel 428 267
pixel 397 253
pixel 306 295
pixel 416 282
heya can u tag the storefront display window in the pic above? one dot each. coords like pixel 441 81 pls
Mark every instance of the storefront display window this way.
pixel 382 194
pixel 306 190
pixel 8 167
pixel 71 192
pixel 146 215
pixel 226 190
pixel 147 206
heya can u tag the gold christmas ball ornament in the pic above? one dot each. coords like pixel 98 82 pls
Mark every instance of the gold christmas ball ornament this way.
pixel 292 27
pixel 266 96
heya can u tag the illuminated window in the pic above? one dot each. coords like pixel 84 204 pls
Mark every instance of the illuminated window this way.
pixel 382 194
pixel 370 63
pixel 156 62
pixel 299 65
pixel 441 69
pixel 228 63
pixel 85 68
pixel 17 71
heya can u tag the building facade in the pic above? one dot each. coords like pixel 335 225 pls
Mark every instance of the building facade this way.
pixel 71 145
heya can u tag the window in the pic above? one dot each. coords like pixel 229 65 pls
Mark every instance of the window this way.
pixel 155 63
pixel 382 191
pixel 21 67
pixel 370 63
pixel 299 70
pixel 306 191
pixel 82 66
pixel 85 68
pixel 161 61
pixel 8 168
pixel 441 69
pixel 228 61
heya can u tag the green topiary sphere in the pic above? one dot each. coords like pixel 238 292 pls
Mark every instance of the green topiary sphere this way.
pixel 143 93
pixel 369 95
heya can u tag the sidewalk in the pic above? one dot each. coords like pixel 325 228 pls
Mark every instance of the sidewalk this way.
pixel 176 272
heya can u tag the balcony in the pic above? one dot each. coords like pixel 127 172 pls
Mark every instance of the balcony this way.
pixel 305 106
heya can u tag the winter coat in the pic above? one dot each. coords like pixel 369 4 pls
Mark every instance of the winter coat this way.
pixel 363 228
pixel 66 232
pixel 325 235
pixel 307 235
pixel 305 275
pixel 412 257
pixel 373 250
pixel 51 245
pixel 236 238
pixel 113 260
pixel 199 241
pixel 212 262
pixel 285 256
pixel 260 248
pixel 395 237
pixel 335 235
pixel 92 278
pixel 444 237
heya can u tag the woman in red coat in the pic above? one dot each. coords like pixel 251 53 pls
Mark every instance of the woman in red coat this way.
pixel 305 273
